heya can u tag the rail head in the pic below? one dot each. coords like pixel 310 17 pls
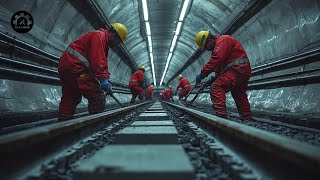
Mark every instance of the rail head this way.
pixel 21 139
pixel 294 151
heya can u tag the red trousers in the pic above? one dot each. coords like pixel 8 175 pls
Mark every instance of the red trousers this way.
pixel 136 91
pixel 238 85
pixel 148 95
pixel 73 88
pixel 184 92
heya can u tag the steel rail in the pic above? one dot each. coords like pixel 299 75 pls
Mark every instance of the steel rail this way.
pixel 33 145
pixel 299 153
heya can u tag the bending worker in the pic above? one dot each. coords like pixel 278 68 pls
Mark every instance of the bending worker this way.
pixel 149 92
pixel 136 83
pixel 83 70
pixel 185 85
pixel 168 94
pixel 230 63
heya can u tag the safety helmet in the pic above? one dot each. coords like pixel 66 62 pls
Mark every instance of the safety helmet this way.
pixel 151 85
pixel 201 38
pixel 141 68
pixel 170 86
pixel 121 30
pixel 180 76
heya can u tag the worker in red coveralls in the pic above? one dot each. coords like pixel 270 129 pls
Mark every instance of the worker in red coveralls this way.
pixel 136 84
pixel 149 92
pixel 168 94
pixel 161 96
pixel 83 70
pixel 185 85
pixel 230 63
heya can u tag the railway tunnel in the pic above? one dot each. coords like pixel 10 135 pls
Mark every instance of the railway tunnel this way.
pixel 155 137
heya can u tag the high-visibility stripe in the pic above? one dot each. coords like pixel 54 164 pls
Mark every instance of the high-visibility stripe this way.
pixel 236 62
pixel 78 55
pixel 133 80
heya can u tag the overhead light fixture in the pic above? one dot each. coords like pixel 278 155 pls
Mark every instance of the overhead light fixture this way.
pixel 174 41
pixel 148 29
pixel 184 9
pixel 175 38
pixel 145 10
pixel 152 68
pixel 178 28
pixel 166 67
pixel 171 49
pixel 149 41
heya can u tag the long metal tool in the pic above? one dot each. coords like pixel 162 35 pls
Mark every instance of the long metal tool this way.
pixel 191 91
pixel 203 86
pixel 113 97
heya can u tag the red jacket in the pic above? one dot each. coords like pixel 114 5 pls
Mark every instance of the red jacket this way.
pixel 150 91
pixel 183 82
pixel 137 78
pixel 168 93
pixel 226 50
pixel 94 46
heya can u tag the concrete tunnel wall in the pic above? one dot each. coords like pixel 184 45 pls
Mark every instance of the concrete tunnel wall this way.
pixel 57 24
pixel 282 28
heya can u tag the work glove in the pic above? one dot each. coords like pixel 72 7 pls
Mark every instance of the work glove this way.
pixel 105 85
pixel 199 77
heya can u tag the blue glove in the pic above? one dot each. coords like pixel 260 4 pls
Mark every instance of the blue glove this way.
pixel 105 85
pixel 199 77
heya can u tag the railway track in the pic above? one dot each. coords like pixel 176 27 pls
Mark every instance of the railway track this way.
pixel 268 154
pixel 162 141
pixel 301 133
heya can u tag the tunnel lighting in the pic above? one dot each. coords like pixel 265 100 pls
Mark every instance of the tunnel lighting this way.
pixel 148 29
pixel 145 10
pixel 166 68
pixel 149 41
pixel 184 9
pixel 178 28
pixel 152 67
pixel 175 38
pixel 171 49
pixel 174 41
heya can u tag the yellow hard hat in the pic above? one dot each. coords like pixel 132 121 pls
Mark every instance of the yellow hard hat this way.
pixel 201 38
pixel 141 68
pixel 180 76
pixel 121 30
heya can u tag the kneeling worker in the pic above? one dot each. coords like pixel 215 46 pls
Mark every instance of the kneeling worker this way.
pixel 185 85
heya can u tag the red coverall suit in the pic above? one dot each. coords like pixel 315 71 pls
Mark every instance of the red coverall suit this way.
pixel 80 66
pixel 231 77
pixel 149 93
pixel 135 83
pixel 168 94
pixel 186 87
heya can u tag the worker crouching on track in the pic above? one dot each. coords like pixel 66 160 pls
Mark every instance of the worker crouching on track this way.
pixel 230 63
pixel 185 85
pixel 149 92
pixel 136 84
pixel 83 70
pixel 168 94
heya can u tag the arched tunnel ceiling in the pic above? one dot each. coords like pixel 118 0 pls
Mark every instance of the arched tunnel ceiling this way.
pixel 163 17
